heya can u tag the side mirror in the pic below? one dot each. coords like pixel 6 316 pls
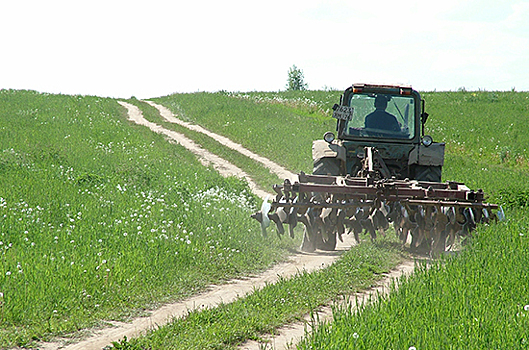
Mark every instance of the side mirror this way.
pixel 424 117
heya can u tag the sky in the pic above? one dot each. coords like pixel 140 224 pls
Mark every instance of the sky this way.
pixel 118 48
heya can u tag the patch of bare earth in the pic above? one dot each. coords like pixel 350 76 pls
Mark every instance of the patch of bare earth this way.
pixel 229 292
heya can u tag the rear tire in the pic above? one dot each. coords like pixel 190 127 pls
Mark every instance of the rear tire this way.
pixel 327 166
pixel 427 173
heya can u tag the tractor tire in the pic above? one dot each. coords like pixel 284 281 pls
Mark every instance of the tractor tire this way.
pixel 323 166
pixel 427 173
pixel 327 166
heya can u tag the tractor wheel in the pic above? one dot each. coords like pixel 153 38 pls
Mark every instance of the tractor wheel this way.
pixel 327 166
pixel 427 173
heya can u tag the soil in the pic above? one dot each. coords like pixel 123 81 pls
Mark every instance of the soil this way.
pixel 286 336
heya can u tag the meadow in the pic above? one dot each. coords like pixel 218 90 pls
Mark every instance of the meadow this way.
pixel 474 300
pixel 478 299
pixel 102 219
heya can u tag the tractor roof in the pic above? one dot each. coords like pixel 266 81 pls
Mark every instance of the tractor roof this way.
pixel 386 89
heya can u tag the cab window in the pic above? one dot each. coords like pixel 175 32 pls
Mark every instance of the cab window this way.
pixel 381 116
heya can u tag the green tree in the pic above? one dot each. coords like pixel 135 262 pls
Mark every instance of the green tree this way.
pixel 296 80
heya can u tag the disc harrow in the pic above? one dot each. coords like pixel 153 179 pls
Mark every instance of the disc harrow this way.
pixel 432 214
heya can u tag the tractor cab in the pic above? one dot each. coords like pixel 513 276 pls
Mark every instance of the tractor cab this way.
pixel 387 118
pixel 380 113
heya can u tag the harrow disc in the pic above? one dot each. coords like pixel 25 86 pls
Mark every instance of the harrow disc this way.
pixel 427 215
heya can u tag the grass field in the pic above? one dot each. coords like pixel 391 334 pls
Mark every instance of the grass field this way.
pixel 101 219
pixel 486 144
pixel 476 300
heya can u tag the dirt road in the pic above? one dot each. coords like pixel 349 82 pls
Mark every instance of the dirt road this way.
pixel 236 288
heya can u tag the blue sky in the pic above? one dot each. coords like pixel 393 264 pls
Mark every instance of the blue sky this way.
pixel 152 48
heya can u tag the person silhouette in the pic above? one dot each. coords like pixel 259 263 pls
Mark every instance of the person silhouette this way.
pixel 380 119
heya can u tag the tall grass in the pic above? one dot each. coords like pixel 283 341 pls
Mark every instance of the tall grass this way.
pixel 476 300
pixel 278 128
pixel 263 311
pixel 101 219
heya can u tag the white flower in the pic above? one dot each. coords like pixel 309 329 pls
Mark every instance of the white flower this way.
pixel 8 273
pixel 526 307
pixel 355 335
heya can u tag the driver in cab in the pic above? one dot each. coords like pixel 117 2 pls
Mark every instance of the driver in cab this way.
pixel 380 119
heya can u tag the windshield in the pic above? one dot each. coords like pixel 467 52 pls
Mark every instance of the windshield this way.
pixel 382 116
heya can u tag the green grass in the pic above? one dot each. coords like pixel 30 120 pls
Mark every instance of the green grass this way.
pixel 485 149
pixel 275 130
pixel 261 175
pixel 102 219
pixel 264 310
pixel 79 183
pixel 478 299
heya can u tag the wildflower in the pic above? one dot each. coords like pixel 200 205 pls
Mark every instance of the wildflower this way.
pixel 355 335
pixel 526 307
pixel 412 348
pixel 8 273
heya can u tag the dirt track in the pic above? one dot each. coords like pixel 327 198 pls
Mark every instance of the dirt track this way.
pixel 236 288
